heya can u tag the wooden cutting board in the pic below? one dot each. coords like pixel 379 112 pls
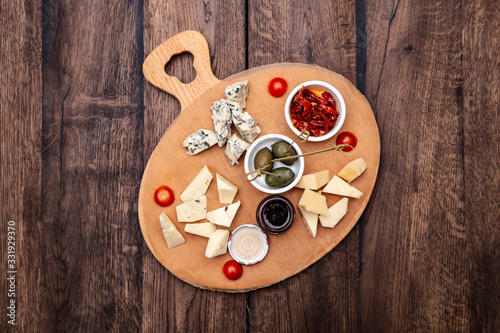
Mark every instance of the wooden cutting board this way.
pixel 169 165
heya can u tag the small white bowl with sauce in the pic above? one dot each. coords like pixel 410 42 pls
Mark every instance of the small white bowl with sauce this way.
pixel 248 244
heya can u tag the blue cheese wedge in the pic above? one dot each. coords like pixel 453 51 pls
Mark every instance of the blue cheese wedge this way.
pixel 199 141
pixel 235 147
pixel 217 243
pixel 237 92
pixel 192 210
pixel 224 216
pixel 221 115
pixel 198 185
pixel 244 122
pixel 170 232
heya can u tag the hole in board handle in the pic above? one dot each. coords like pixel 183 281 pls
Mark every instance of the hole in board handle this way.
pixel 181 66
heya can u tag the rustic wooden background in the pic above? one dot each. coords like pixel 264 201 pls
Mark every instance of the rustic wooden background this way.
pixel 78 122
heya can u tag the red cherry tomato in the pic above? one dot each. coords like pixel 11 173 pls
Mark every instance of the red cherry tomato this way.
pixel 347 137
pixel 277 87
pixel 164 196
pixel 232 270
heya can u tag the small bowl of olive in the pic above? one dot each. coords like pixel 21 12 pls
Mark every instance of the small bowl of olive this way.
pixel 270 147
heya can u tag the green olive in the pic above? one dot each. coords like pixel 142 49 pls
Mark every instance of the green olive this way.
pixel 280 149
pixel 285 177
pixel 263 158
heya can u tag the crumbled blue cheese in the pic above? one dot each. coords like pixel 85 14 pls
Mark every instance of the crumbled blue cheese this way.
pixel 235 147
pixel 244 122
pixel 237 92
pixel 199 141
pixel 221 115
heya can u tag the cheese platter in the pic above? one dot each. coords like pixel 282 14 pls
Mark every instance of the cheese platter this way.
pixel 210 195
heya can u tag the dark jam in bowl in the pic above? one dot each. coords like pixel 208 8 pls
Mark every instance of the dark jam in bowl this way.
pixel 275 214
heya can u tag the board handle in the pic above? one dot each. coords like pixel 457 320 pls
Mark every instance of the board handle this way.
pixel 187 41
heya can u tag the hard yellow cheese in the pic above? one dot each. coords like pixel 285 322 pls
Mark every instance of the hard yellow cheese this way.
pixel 198 185
pixel 310 220
pixel 227 191
pixel 340 187
pixel 170 232
pixel 353 170
pixel 315 180
pixel 217 243
pixel 313 202
pixel 192 210
pixel 337 212
pixel 224 216
pixel 204 229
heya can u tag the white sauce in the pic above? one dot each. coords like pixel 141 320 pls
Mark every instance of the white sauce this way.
pixel 247 243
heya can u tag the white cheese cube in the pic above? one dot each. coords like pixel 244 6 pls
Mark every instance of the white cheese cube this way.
pixel 227 191
pixel 170 232
pixel 337 212
pixel 224 216
pixel 192 210
pixel 217 243
pixel 198 185
pixel 313 202
pixel 314 181
pixel 310 220
pixel 204 229
pixel 338 186
pixel 353 170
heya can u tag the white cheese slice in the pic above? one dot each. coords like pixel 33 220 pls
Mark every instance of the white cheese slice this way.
pixel 199 141
pixel 338 186
pixel 204 229
pixel 227 191
pixel 198 185
pixel 217 243
pixel 170 232
pixel 237 92
pixel 235 147
pixel 314 181
pixel 337 212
pixel 192 210
pixel 310 220
pixel 353 170
pixel 313 202
pixel 224 216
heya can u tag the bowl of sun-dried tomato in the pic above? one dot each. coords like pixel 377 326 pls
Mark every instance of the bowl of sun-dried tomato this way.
pixel 317 108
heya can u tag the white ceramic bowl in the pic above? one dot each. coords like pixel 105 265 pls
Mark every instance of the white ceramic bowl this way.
pixel 339 100
pixel 268 141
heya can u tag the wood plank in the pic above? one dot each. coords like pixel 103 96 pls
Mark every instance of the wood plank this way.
pixel 295 32
pixel 92 165
pixel 21 156
pixel 415 274
pixel 480 96
pixel 170 304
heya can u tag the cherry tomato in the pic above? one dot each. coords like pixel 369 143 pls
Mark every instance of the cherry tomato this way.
pixel 232 270
pixel 164 196
pixel 277 87
pixel 347 137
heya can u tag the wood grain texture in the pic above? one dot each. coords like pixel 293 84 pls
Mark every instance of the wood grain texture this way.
pixel 21 157
pixel 92 167
pixel 169 303
pixel 480 96
pixel 322 33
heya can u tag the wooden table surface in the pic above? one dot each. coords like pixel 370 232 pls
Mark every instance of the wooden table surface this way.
pixel 78 123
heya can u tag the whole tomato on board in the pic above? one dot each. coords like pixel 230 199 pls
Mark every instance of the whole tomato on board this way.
pixel 347 137
pixel 277 87
pixel 164 196
pixel 232 270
